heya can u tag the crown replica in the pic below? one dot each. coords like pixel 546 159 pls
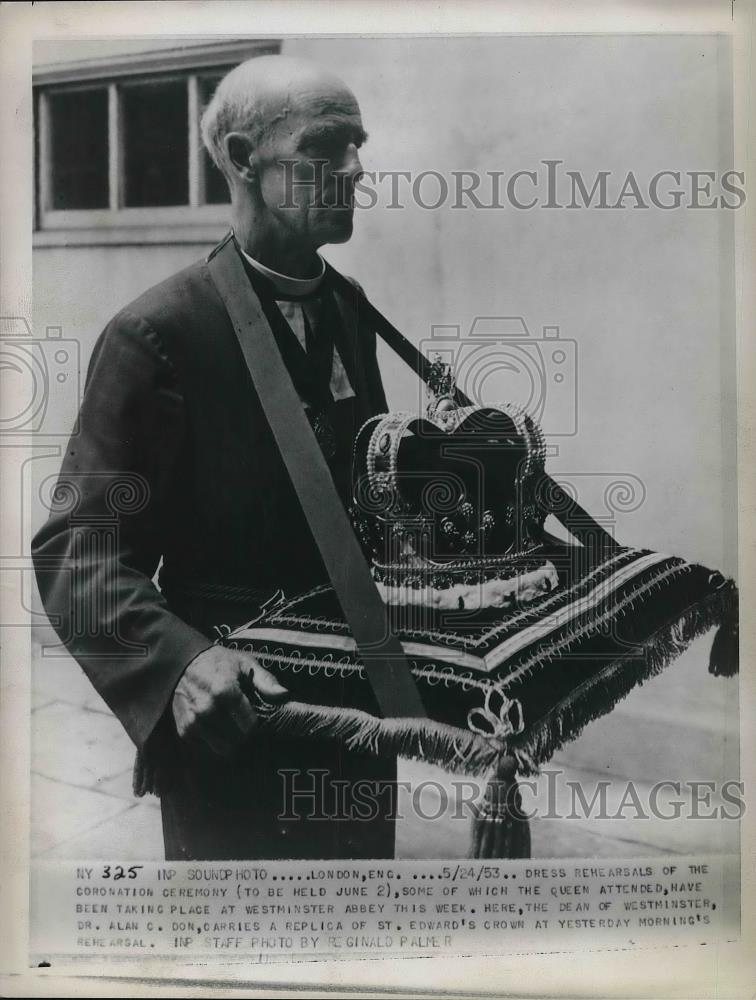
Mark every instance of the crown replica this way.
pixel 445 506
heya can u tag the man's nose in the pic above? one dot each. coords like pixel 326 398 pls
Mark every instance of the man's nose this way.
pixel 352 165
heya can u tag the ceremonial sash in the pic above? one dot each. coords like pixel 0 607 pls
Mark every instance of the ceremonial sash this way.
pixel 380 651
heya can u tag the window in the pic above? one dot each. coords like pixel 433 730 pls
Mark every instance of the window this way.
pixel 155 144
pixel 79 148
pixel 118 142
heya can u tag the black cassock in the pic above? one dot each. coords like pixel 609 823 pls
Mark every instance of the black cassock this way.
pixel 173 459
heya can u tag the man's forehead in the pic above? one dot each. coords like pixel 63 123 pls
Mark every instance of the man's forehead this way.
pixel 313 123
pixel 313 100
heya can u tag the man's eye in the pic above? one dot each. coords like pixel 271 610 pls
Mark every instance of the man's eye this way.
pixel 328 147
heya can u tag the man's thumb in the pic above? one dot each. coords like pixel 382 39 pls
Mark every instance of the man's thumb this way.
pixel 266 684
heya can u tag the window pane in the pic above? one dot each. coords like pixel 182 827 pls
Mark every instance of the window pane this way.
pixel 37 163
pixel 216 189
pixel 79 148
pixel 156 144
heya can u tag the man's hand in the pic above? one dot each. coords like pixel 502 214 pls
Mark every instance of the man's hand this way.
pixel 209 704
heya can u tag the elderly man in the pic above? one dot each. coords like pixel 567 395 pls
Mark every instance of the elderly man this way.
pixel 170 406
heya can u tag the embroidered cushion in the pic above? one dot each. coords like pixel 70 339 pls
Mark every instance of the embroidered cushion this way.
pixel 527 676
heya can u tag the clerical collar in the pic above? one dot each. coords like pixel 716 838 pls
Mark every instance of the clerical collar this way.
pixel 286 285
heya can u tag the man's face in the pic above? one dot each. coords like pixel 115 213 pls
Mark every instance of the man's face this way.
pixel 309 163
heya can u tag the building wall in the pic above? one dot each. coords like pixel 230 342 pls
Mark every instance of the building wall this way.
pixel 638 290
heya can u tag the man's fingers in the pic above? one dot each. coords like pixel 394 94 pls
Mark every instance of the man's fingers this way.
pixel 264 682
pixel 219 731
pixel 242 714
pixel 210 704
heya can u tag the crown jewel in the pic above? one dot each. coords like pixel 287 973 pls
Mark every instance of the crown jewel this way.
pixel 450 499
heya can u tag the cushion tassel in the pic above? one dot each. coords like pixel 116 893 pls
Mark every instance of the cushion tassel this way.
pixel 144 779
pixel 500 828
pixel 724 656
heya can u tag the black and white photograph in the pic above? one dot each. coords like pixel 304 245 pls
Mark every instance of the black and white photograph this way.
pixel 375 424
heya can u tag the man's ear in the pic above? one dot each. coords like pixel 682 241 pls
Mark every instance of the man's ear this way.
pixel 240 154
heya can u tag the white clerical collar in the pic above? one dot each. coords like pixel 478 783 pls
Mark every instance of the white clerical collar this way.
pixel 285 284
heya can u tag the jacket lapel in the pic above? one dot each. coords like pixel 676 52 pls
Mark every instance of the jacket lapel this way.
pixel 349 344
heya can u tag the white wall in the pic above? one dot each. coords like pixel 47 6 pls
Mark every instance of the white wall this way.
pixel 638 290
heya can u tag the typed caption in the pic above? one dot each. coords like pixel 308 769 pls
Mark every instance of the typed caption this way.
pixel 268 911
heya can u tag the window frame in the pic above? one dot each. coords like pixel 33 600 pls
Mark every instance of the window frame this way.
pixel 117 223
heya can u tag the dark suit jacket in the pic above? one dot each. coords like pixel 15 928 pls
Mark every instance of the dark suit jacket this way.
pixel 174 460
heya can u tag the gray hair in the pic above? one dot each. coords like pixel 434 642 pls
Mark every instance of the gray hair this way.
pixel 234 107
pixel 252 98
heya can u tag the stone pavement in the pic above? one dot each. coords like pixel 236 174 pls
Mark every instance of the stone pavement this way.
pixel 678 726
